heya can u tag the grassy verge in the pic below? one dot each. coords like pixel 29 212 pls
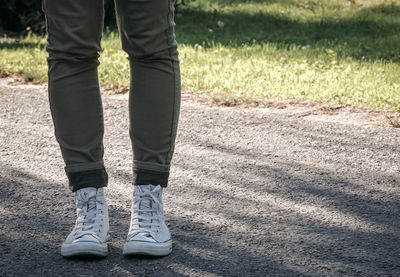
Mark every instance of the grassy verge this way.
pixel 257 51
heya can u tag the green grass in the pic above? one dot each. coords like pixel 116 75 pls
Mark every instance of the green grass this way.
pixel 257 51
pixel 25 57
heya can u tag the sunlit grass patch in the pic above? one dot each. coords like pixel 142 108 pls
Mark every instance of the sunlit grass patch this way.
pixel 25 57
pixel 261 73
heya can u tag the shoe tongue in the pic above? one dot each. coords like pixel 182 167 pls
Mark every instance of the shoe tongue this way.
pixel 87 193
pixel 87 204
pixel 88 197
pixel 144 188
pixel 146 203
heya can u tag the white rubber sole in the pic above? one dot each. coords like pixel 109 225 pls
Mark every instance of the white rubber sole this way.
pixel 84 249
pixel 144 248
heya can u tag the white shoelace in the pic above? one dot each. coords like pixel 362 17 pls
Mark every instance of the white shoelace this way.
pixel 147 212
pixel 88 221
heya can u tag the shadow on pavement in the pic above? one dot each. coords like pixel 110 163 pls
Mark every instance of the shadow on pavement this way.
pixel 37 215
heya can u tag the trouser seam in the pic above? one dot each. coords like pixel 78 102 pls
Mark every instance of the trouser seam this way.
pixel 169 154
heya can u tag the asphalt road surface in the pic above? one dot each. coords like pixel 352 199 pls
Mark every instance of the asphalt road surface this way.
pixel 253 192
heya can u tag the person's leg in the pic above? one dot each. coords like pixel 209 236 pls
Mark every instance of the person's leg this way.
pixel 147 33
pixel 74 32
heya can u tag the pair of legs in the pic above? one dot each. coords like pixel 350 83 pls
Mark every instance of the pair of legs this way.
pixel 147 32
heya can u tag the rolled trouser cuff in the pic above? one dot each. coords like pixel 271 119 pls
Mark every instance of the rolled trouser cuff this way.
pixel 145 177
pixel 96 178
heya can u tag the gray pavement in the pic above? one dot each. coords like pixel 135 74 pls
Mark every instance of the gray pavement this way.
pixel 253 192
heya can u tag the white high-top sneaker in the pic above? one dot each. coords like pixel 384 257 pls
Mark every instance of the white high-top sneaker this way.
pixel 91 228
pixel 148 233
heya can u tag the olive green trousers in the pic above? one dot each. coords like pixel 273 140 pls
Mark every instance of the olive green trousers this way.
pixel 146 28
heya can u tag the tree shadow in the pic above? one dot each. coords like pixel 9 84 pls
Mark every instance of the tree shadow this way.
pixel 17 44
pixel 233 237
pixel 38 214
pixel 316 214
pixel 31 219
